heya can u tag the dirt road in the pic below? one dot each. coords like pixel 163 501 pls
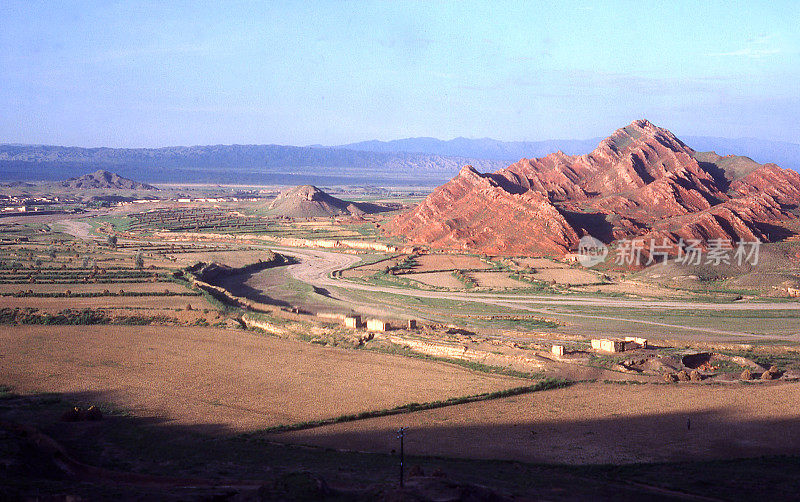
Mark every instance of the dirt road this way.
pixel 315 267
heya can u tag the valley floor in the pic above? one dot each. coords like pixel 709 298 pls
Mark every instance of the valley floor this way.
pixel 185 386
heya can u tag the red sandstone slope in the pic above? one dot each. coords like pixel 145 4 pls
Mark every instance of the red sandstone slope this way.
pixel 641 181
pixel 472 211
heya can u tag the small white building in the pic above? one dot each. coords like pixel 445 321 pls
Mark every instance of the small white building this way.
pixel 606 345
pixel 352 321
pixel 377 325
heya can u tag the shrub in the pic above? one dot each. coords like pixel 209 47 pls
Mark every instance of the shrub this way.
pixel 71 415
pixel 94 413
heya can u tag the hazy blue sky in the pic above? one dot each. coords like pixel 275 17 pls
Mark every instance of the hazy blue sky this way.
pixel 178 73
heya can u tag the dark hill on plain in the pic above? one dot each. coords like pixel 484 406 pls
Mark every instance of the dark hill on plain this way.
pixel 105 179
pixel 307 201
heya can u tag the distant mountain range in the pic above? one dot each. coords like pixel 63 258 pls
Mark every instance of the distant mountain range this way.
pixel 265 164
pixel 784 154
pixel 485 148
pixel 424 161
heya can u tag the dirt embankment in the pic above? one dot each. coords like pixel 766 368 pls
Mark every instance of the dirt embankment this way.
pixel 343 244
pixel 520 360
pixel 204 276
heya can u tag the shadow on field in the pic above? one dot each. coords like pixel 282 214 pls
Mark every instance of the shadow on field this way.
pixel 236 285
pixel 686 452
pixel 663 437
pixel 132 457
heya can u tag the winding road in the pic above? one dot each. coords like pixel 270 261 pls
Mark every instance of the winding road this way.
pixel 316 266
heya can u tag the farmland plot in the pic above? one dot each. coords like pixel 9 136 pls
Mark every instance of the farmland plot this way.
pixel 592 423
pixel 428 262
pixel 230 378
pixel 437 279
pixel 498 280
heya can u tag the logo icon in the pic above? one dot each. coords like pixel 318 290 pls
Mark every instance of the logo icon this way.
pixel 591 251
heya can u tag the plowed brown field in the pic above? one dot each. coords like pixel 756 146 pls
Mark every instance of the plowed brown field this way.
pixel 232 378
pixel 592 424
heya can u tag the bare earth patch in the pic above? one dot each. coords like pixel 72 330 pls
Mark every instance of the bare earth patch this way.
pixel 449 262
pixel 234 379
pixel 438 279
pixel 539 263
pixel 591 424
pixel 356 273
pixel 566 276
pixel 497 280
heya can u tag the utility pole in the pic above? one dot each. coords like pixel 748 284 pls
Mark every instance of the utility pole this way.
pixel 401 433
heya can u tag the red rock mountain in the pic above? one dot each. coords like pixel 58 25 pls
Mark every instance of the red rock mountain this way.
pixel 640 181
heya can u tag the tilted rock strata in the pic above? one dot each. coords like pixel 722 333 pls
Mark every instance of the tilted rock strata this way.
pixel 472 211
pixel 642 181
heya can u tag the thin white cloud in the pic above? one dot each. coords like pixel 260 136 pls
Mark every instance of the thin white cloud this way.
pixel 757 48
pixel 750 52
